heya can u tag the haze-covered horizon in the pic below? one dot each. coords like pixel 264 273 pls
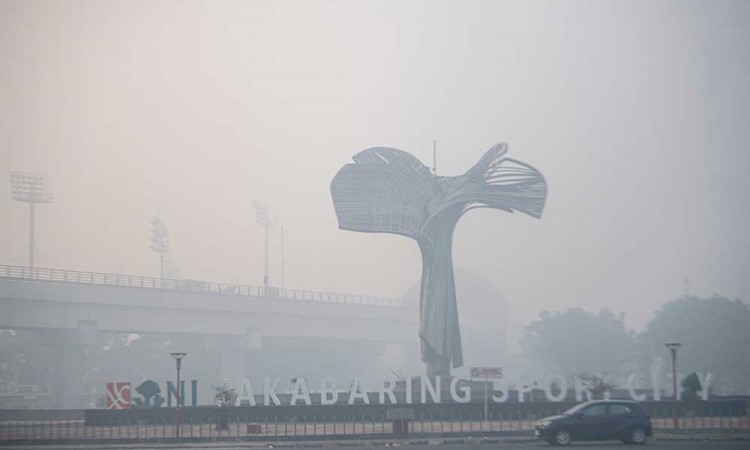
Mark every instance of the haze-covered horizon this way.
pixel 635 112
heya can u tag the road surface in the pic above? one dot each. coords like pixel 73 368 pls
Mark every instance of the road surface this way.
pixel 512 445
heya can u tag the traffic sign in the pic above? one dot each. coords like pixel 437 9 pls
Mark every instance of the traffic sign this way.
pixel 486 372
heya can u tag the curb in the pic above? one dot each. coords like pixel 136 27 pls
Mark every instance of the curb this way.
pixel 525 439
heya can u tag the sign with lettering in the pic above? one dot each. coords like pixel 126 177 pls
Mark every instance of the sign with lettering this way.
pixel 486 372
pixel 421 389
pixel 148 394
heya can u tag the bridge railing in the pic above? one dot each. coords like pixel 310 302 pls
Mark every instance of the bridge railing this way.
pixel 168 284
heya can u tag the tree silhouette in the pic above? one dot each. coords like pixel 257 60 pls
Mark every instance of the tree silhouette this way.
pixel 715 337
pixel 575 341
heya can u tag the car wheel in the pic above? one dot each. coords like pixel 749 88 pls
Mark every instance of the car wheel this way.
pixel 636 436
pixel 562 437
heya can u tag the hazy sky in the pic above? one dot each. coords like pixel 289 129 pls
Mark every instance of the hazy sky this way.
pixel 636 112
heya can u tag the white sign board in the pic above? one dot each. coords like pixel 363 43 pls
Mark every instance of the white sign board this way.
pixel 486 372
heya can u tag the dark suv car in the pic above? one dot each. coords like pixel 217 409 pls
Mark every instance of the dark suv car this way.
pixel 597 420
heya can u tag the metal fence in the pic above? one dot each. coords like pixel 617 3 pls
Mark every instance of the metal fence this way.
pixel 168 284
pixel 315 428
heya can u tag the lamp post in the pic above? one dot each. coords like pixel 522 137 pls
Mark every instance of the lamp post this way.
pixel 30 188
pixel 178 360
pixel 673 346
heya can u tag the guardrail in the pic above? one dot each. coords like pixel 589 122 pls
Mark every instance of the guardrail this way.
pixel 226 425
pixel 168 284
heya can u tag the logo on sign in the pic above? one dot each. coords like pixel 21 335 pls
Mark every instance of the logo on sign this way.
pixel 118 395
pixel 148 394
pixel 486 372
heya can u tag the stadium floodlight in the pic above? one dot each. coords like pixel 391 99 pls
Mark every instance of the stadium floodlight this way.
pixel 263 218
pixel 30 188
pixel 159 241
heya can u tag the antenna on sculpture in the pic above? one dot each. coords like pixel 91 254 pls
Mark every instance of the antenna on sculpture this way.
pixel 434 156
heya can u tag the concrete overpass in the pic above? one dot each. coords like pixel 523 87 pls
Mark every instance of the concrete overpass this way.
pixel 67 309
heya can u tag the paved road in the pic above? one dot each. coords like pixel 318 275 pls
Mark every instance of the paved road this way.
pixel 531 445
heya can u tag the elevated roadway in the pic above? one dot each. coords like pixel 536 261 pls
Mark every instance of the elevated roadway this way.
pixel 66 309
pixel 60 299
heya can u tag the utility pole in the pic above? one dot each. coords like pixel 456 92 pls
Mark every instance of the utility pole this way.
pixel 434 156
pixel 282 259
pixel 263 218
pixel 265 262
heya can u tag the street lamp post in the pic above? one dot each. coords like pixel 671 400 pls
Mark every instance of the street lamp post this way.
pixel 673 346
pixel 30 188
pixel 178 360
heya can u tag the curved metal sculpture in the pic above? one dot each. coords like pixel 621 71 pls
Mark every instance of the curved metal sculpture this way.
pixel 390 191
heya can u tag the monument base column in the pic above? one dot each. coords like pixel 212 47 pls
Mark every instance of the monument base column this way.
pixel 441 367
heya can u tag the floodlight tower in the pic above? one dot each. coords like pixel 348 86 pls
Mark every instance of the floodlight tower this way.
pixel 159 241
pixel 30 188
pixel 263 218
